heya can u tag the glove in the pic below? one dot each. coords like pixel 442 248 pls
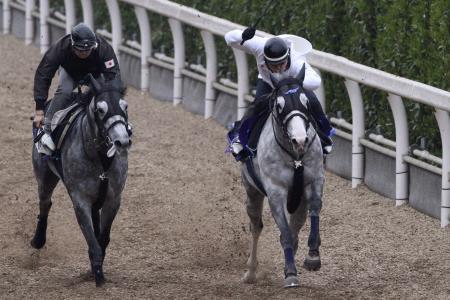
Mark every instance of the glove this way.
pixel 248 34
pixel 38 119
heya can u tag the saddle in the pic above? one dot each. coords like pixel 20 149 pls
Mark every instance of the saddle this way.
pixel 62 121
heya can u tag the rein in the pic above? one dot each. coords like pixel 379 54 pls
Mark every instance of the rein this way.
pixel 295 194
pixel 297 161
pixel 102 146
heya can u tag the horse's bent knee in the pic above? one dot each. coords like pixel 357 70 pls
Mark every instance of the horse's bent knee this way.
pixel 315 205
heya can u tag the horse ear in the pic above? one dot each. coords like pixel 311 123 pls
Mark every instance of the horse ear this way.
pixel 274 81
pixel 94 84
pixel 301 75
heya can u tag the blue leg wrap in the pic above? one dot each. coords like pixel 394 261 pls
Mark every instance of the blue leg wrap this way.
pixel 314 238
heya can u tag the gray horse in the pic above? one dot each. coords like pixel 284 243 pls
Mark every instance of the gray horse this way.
pixel 92 164
pixel 288 169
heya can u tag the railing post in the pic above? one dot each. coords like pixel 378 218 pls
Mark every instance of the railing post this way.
pixel 178 44
pixel 243 87
pixel 116 25
pixel 146 45
pixel 6 17
pixel 44 12
pixel 69 6
pixel 443 120
pixel 88 13
pixel 29 33
pixel 354 93
pixel 402 147
pixel 211 71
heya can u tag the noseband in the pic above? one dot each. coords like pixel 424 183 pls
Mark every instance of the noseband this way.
pixel 290 90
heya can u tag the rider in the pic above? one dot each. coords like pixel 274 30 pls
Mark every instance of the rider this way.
pixel 76 54
pixel 277 56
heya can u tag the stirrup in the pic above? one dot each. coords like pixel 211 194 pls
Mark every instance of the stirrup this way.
pixel 236 147
pixel 327 149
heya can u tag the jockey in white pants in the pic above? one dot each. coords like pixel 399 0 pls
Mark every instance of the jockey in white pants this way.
pixel 277 57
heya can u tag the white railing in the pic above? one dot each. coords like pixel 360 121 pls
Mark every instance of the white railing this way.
pixel 353 74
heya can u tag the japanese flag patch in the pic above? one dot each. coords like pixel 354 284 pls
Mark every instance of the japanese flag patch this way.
pixel 109 64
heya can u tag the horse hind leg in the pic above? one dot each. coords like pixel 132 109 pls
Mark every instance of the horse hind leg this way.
pixel 312 261
pixel 296 222
pixel 96 221
pixel 109 212
pixel 47 182
pixel 254 206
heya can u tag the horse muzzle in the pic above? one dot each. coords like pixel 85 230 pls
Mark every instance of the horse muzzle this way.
pixel 298 143
pixel 120 137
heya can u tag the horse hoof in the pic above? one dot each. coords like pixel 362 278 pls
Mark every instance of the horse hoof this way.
pixel 98 276
pixel 312 263
pixel 37 243
pixel 291 282
pixel 249 277
pixel 99 282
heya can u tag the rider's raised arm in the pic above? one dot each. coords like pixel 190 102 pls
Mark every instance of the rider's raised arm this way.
pixel 45 72
pixel 253 46
pixel 109 63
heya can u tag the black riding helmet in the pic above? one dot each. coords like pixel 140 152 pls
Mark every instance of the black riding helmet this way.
pixel 276 51
pixel 83 38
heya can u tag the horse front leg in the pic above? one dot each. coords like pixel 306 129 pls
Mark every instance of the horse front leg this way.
pixel 83 212
pixel 312 261
pixel 254 207
pixel 277 207
pixel 47 182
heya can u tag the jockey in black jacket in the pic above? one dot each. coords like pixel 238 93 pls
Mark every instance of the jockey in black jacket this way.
pixel 75 55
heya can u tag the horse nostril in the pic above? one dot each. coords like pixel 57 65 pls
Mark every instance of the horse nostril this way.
pixel 120 144
pixel 294 141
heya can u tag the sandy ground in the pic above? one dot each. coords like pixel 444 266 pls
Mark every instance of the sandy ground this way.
pixel 182 231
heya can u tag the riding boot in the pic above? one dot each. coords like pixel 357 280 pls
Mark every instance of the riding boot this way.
pixel 325 130
pixel 59 102
pixel 235 144
pixel 255 111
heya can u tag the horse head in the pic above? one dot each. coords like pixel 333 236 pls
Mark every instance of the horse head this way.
pixel 109 111
pixel 290 111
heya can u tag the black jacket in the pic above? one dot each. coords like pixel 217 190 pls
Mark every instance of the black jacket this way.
pixel 102 60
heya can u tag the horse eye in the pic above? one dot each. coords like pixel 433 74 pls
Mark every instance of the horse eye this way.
pixel 102 108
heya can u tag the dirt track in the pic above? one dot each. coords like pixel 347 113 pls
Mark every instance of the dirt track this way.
pixel 182 229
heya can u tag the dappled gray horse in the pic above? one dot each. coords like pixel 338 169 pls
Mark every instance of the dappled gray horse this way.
pixel 288 169
pixel 93 164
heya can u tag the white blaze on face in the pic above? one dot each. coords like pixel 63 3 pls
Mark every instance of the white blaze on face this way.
pixel 296 131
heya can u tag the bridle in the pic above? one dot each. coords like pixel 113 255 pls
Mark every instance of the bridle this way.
pixel 290 89
pixel 110 119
